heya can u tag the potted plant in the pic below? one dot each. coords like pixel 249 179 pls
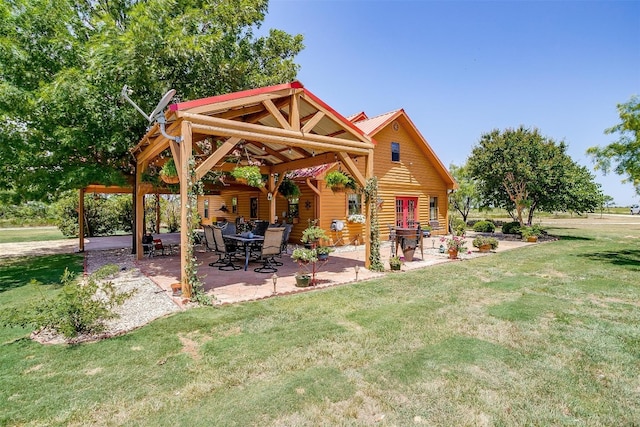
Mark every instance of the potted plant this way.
pixel 249 175
pixel 336 180
pixel 313 233
pixel 169 173
pixel 323 252
pixel 304 255
pixel 454 244
pixel 485 243
pixel 395 263
pixel 530 234
pixel 303 280
pixel 289 189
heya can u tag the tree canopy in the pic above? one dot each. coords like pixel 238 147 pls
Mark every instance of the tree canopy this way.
pixel 63 124
pixel 625 152
pixel 521 170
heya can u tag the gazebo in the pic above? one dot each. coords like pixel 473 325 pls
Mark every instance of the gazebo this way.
pixel 285 126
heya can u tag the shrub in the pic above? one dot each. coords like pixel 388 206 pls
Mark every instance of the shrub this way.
pixel 511 227
pixel 484 227
pixel 79 308
pixel 458 226
pixel 100 215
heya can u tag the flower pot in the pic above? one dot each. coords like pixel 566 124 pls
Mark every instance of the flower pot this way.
pixel 395 267
pixel 176 288
pixel 453 253
pixel 323 257
pixel 485 248
pixel 532 239
pixel 408 253
pixel 302 281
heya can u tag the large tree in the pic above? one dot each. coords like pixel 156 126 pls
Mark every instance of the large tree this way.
pixel 63 63
pixel 521 170
pixel 625 152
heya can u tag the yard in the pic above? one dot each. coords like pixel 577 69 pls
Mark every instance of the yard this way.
pixel 543 335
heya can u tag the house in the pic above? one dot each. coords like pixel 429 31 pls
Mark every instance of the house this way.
pixel 413 187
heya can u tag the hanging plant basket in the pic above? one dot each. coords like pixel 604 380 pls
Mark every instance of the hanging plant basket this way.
pixel 169 179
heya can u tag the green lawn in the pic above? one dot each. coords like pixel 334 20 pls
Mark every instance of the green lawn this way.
pixel 544 335
pixel 30 234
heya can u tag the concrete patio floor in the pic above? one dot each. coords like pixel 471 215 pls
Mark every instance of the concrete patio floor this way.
pixel 239 285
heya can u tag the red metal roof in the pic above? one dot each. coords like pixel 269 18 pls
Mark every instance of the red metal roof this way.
pixel 234 95
pixel 372 125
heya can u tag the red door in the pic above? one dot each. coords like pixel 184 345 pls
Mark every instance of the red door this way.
pixel 406 211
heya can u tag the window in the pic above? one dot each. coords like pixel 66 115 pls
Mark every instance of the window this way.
pixel 254 207
pixel 433 208
pixel 355 203
pixel 395 151
pixel 206 208
pixel 294 210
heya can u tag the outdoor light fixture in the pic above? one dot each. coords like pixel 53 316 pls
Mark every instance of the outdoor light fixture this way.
pixel 275 282
pixel 357 270
pixel 223 208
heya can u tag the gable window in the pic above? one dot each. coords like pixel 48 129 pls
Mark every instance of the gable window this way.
pixel 433 208
pixel 395 151
pixel 355 203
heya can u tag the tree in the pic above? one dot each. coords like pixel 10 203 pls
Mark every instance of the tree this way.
pixel 625 152
pixel 63 64
pixel 519 169
pixel 466 196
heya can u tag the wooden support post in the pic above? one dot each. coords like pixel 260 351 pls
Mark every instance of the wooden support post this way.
pixel 139 207
pixel 185 205
pixel 272 203
pixel 81 221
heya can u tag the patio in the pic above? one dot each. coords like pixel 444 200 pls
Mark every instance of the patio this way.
pixel 238 286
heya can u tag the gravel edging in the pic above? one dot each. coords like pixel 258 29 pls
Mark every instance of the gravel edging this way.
pixel 148 302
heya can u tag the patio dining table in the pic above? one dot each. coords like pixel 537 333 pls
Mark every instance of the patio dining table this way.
pixel 246 242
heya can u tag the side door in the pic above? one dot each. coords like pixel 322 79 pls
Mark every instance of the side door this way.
pixel 406 212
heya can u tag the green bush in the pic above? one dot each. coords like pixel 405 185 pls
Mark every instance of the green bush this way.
pixel 100 215
pixel 484 227
pixel 511 227
pixel 79 308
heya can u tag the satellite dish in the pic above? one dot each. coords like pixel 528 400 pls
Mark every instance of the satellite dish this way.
pixel 157 114
pixel 159 108
pixel 161 105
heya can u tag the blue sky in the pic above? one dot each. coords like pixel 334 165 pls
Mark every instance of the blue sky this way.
pixel 461 68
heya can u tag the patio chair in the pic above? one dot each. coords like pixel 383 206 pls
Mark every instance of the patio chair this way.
pixel 210 245
pixel 147 245
pixel 226 252
pixel 271 247
pixel 159 247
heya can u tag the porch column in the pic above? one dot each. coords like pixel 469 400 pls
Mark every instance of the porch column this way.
pixel 185 205
pixel 81 221
pixel 272 203
pixel 139 208
pixel 368 173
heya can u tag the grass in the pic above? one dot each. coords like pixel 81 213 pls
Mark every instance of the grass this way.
pixel 30 234
pixel 544 335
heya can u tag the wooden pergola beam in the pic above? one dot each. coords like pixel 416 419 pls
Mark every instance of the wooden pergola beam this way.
pixel 258 132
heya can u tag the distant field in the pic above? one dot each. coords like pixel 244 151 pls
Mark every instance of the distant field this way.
pixel 29 234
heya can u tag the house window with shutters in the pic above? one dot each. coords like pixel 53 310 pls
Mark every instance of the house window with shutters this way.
pixel 395 151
